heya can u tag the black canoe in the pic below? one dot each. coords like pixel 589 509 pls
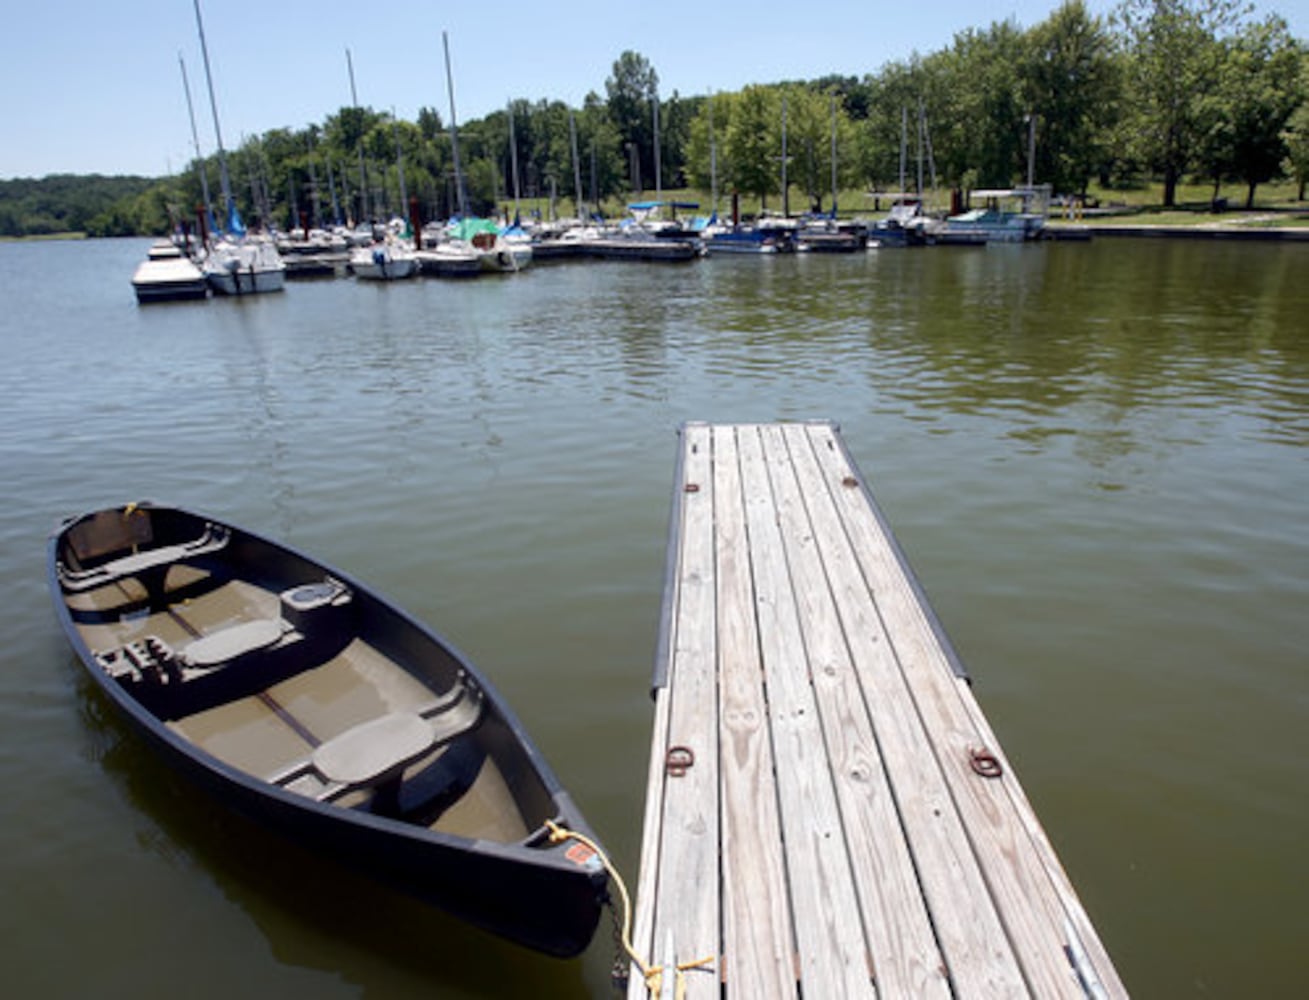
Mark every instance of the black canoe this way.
pixel 313 705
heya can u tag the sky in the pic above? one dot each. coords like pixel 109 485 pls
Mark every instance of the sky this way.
pixel 95 87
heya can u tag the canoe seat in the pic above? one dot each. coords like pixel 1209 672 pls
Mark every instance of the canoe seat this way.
pixel 74 580
pixel 372 750
pixel 374 754
pixel 227 644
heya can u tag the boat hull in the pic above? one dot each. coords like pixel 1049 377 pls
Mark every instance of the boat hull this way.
pixel 450 264
pixel 246 281
pixel 297 728
pixel 167 280
pixel 506 258
pixel 393 269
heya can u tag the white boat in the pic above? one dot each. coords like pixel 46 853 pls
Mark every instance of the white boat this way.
pixel 906 223
pixel 167 275
pixel 244 267
pixel 496 251
pixel 385 260
pixel 1009 215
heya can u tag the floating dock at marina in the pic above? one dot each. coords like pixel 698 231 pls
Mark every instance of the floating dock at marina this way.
pixel 828 813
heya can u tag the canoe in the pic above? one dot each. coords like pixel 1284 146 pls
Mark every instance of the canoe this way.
pixel 308 702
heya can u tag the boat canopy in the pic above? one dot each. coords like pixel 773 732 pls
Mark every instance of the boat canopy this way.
pixel 466 229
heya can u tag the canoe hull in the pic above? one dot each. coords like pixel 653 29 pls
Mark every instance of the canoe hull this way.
pixel 417 827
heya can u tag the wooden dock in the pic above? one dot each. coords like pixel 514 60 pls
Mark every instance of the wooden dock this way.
pixel 828 812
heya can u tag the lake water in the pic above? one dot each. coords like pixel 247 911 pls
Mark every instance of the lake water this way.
pixel 1096 457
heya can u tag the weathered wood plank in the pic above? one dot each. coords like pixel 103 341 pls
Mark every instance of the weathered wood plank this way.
pixel 1033 915
pixel 758 946
pixel 904 954
pixel 832 960
pixel 968 926
pixel 684 902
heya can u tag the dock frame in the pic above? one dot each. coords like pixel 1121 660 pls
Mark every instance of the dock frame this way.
pixel 828 812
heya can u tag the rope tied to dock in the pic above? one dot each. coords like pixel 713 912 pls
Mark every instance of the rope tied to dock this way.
pixel 652 974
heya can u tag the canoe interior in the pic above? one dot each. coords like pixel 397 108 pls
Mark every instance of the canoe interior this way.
pixel 258 657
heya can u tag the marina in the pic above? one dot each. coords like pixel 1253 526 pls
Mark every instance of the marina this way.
pixel 828 811
pixel 1094 463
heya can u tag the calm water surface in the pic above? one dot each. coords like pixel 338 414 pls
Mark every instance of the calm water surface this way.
pixel 1096 457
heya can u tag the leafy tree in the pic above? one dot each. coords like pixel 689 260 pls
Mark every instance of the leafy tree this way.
pixel 1172 61
pixel 891 131
pixel 1296 137
pixel 1260 88
pixel 1070 81
pixel 630 90
pixel 979 126
pixel 809 142
pixel 601 149
pixel 753 143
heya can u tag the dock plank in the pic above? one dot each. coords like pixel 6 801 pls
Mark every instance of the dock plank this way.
pixel 904 954
pixel 832 959
pixel 757 942
pixel 1034 914
pixel 687 714
pixel 969 928
pixel 831 837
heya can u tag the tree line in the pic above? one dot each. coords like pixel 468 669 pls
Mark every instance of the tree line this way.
pixel 1165 90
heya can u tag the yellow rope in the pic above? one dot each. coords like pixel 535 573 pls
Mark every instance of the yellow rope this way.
pixel 652 974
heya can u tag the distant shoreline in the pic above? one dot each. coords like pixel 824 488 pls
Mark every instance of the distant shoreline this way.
pixel 46 236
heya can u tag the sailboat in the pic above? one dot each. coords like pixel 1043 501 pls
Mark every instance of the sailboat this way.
pixel 908 223
pixel 235 263
pixel 823 233
pixel 467 237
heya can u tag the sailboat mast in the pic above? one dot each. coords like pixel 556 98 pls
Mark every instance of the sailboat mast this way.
pixel 454 128
pixel 920 147
pixel 400 164
pixel 331 187
pixel 359 148
pixel 713 157
pixel 786 194
pixel 513 156
pixel 659 185
pixel 577 166
pixel 904 141
pixel 195 138
pixel 834 156
pixel 213 106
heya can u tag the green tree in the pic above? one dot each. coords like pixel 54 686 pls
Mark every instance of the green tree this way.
pixel 753 143
pixel 1260 88
pixel 1296 137
pixel 1070 81
pixel 630 91
pixel 1172 61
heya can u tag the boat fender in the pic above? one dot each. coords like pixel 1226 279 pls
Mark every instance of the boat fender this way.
pixel 379 258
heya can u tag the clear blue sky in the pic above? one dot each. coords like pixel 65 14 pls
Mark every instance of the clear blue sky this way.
pixel 94 85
